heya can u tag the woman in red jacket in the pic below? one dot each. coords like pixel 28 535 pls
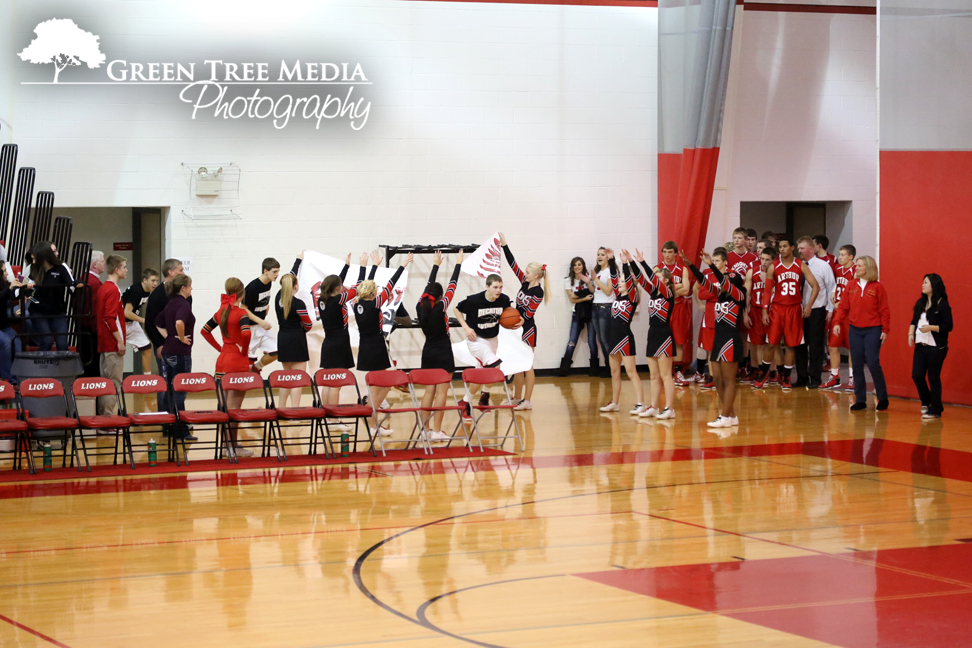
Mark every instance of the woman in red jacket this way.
pixel 234 324
pixel 864 309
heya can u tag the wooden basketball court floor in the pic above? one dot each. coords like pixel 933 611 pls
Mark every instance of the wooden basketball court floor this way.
pixel 808 526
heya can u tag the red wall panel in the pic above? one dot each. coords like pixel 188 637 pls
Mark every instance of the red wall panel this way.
pixel 926 201
pixel 669 168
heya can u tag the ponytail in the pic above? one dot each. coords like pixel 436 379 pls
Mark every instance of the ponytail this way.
pixel 233 290
pixel 433 293
pixel 287 293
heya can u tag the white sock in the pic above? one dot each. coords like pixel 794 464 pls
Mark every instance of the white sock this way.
pixel 834 371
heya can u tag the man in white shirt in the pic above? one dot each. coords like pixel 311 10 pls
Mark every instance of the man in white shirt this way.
pixel 810 355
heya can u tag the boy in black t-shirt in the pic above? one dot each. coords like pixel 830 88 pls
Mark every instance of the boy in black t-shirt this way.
pixel 257 304
pixel 479 316
pixel 134 297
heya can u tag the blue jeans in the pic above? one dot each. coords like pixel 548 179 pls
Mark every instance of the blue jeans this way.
pixel 576 326
pixel 41 330
pixel 9 344
pixel 601 323
pixel 865 348
pixel 171 366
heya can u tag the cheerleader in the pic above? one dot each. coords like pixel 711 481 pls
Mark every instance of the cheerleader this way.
pixel 333 311
pixel 727 347
pixel 661 343
pixel 294 323
pixel 234 324
pixel 432 311
pixel 528 300
pixel 622 344
pixel 372 350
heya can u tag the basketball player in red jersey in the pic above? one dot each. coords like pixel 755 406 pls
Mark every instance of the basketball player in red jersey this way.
pixel 744 263
pixel 844 275
pixel 785 312
pixel 751 241
pixel 763 355
pixel 681 319
pixel 820 245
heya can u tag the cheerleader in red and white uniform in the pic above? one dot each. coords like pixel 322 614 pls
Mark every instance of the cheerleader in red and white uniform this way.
pixel 528 300
pixel 234 324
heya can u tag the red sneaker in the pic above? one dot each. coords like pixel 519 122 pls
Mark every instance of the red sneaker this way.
pixel 699 378
pixel 785 384
pixel 709 383
pixel 833 383
pixel 749 376
pixel 827 366
pixel 760 381
pixel 682 381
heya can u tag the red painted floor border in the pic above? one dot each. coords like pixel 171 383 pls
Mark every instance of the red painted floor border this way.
pixel 894 455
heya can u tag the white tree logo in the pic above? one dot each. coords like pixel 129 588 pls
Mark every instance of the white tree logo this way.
pixel 61 42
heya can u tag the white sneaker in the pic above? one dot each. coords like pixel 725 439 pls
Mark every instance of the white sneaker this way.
pixel 439 435
pixel 924 408
pixel 611 407
pixel 719 422
pixel 385 404
pixel 243 452
pixel 733 420
pixel 523 405
pixel 638 409
pixel 667 413
pixel 649 412
pixel 382 430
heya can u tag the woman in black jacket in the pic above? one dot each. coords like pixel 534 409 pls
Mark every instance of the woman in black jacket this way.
pixel 52 285
pixel 931 323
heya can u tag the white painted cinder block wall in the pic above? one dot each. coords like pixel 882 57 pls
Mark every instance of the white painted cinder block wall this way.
pixel 801 119
pixel 536 120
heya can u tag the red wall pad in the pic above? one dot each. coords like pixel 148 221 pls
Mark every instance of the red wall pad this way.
pixel 925 199
pixel 669 167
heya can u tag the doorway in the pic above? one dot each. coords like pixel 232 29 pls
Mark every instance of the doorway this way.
pixel 796 219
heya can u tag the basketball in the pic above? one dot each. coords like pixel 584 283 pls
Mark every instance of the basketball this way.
pixel 510 318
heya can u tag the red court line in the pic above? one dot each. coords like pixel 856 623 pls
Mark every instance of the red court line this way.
pixel 37 634
pixel 894 455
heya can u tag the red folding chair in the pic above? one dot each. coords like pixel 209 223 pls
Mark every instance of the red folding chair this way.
pixel 200 383
pixel 247 381
pixel 431 378
pixel 146 385
pixel 51 388
pixel 114 423
pixel 13 426
pixel 341 414
pixel 395 378
pixel 489 376
pixel 300 416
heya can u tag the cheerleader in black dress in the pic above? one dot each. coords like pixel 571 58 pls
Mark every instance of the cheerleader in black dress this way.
pixel 372 350
pixel 661 344
pixel 620 340
pixel 294 322
pixel 433 317
pixel 727 348
pixel 528 300
pixel 333 311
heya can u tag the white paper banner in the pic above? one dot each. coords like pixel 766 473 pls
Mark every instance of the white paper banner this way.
pixel 486 260
pixel 316 267
pixel 516 354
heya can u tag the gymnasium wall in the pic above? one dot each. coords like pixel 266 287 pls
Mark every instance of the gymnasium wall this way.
pixel 926 175
pixel 537 120
pixel 801 114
